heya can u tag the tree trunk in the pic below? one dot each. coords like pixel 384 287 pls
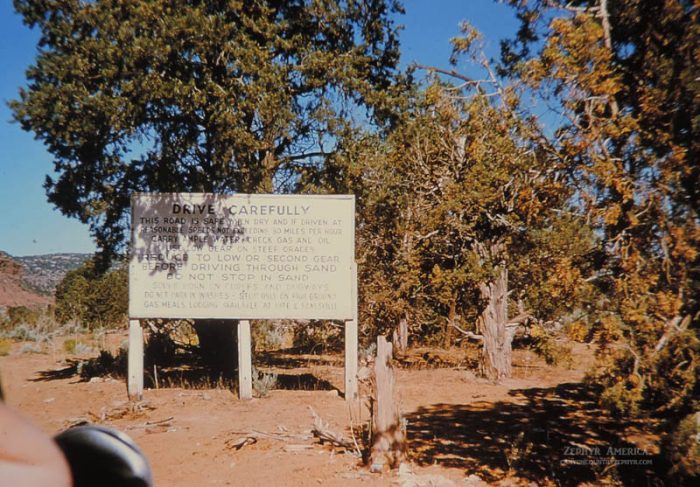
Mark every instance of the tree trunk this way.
pixel 218 344
pixel 400 336
pixel 495 363
pixel 449 328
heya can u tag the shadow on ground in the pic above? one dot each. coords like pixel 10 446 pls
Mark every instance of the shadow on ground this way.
pixel 304 382
pixel 294 358
pixel 555 434
pixel 184 371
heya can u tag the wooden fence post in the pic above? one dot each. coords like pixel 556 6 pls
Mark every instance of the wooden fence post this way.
pixel 134 385
pixel 388 442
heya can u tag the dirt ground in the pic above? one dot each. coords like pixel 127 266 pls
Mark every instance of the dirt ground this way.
pixel 461 430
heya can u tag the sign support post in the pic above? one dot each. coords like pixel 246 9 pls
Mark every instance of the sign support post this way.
pixel 135 357
pixel 245 361
pixel 351 344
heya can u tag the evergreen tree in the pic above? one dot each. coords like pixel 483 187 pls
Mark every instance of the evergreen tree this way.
pixel 205 96
pixel 217 96
pixel 93 298
pixel 455 199
pixel 624 77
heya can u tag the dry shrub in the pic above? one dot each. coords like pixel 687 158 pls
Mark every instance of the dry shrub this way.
pixel 272 335
pixel 69 345
pixel 5 346
pixel 621 390
pixel 545 344
pixel 318 336
pixel 263 382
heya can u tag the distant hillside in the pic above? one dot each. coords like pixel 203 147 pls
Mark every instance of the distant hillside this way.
pixel 43 272
pixel 13 291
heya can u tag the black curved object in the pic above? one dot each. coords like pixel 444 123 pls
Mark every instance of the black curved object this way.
pixel 103 457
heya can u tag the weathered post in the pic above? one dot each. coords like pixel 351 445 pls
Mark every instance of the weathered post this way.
pixel 245 361
pixel 351 341
pixel 400 337
pixel 135 358
pixel 388 442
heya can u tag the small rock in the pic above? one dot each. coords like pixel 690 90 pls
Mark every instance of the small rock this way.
pixel 474 481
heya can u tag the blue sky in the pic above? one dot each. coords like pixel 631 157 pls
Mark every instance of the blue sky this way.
pixel 31 226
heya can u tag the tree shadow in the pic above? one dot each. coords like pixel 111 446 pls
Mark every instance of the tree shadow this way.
pixel 181 370
pixel 71 370
pixel 304 382
pixel 296 358
pixel 557 434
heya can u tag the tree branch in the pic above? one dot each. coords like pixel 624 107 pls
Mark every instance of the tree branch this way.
pixel 297 157
pixel 468 334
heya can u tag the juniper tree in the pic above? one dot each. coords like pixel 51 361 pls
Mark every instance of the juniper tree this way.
pixel 205 96
pixel 624 77
pixel 458 196
pixel 215 96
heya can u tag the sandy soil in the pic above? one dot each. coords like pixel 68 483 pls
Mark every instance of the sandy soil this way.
pixel 457 425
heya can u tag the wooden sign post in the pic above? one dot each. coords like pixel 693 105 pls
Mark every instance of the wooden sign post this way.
pixel 351 345
pixel 245 361
pixel 135 358
pixel 242 257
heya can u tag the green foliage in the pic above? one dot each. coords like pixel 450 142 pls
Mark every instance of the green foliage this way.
pixel 238 96
pixel 552 350
pixel 623 77
pixel 318 336
pixel 673 386
pixel 5 346
pixel 72 293
pixel 109 300
pixel 622 398
pixel 458 189
pixel 269 335
pixel 69 345
pixel 681 447
pixel 93 299
pixel 18 315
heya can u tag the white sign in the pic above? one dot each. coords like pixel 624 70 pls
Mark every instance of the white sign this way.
pixel 200 255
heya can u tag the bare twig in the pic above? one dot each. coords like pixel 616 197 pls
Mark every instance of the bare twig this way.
pixel 468 334
pixel 160 421
pixel 324 434
pixel 673 327
pixel 358 451
pixel 241 442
